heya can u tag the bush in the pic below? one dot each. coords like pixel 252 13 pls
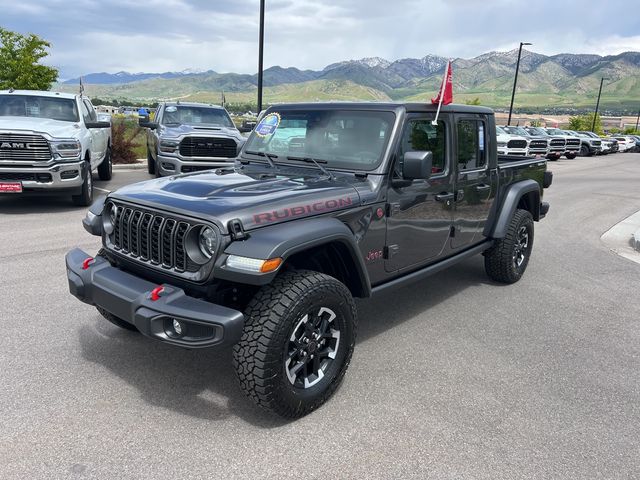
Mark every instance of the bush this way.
pixel 585 122
pixel 126 139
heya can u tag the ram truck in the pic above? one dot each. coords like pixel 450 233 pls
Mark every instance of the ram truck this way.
pixel 557 144
pixel 326 202
pixel 190 137
pixel 510 144
pixel 536 145
pixel 51 143
pixel 572 144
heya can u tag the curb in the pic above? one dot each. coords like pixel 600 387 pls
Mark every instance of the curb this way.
pixel 141 165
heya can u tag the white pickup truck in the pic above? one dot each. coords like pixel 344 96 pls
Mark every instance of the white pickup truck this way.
pixel 51 143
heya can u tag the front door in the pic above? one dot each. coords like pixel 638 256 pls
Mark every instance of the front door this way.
pixel 473 182
pixel 420 212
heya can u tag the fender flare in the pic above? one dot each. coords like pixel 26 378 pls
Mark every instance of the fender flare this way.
pixel 508 207
pixel 285 240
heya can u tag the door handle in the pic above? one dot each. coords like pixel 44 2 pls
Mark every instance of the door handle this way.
pixel 483 188
pixel 445 197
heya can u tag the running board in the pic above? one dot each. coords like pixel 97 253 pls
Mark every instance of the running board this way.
pixel 431 269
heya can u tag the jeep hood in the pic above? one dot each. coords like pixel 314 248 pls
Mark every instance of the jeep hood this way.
pixel 258 198
pixel 200 130
pixel 55 128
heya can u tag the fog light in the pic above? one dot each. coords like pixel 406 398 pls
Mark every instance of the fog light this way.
pixel 177 327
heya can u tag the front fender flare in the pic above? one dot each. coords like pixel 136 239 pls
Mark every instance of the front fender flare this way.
pixel 286 239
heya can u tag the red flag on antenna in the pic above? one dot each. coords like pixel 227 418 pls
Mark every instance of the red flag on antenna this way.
pixel 445 96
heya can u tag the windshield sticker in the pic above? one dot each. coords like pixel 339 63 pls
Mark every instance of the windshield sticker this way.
pixel 171 109
pixel 268 125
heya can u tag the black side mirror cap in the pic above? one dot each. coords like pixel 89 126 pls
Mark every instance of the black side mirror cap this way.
pixel 417 165
pixel 97 124
pixel 145 123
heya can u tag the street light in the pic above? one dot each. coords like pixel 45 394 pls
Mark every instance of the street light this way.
pixel 515 80
pixel 637 120
pixel 593 125
pixel 260 55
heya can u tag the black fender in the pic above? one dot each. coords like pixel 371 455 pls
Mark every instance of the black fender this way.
pixel 285 240
pixel 512 196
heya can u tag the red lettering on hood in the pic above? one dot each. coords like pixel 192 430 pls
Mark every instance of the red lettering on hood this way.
pixel 300 210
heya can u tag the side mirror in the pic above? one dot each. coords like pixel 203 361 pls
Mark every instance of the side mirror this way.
pixel 144 122
pixel 97 124
pixel 417 165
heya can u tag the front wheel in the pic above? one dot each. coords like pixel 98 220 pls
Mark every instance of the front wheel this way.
pixel 584 151
pixel 297 342
pixel 151 163
pixel 508 258
pixel 105 169
pixel 85 197
pixel 571 156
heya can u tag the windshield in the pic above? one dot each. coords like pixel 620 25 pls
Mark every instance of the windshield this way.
pixel 63 109
pixel 538 131
pixel 347 139
pixel 517 131
pixel 193 115
pixel 555 131
pixel 500 131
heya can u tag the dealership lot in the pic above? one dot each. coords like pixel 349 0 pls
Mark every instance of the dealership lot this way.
pixel 452 377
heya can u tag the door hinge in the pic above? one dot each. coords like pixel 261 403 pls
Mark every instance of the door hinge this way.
pixel 236 230
pixel 390 251
pixel 392 209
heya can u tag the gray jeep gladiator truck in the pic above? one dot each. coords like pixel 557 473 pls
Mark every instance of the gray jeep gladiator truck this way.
pixel 326 202
pixel 190 137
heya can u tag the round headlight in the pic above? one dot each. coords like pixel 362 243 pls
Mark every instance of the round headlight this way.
pixel 208 241
pixel 109 220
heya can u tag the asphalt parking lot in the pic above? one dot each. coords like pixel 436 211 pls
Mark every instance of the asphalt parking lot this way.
pixel 452 377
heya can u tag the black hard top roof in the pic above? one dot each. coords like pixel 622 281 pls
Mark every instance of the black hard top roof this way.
pixel 391 106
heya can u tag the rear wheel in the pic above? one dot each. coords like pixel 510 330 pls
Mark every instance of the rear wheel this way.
pixel 85 197
pixel 105 170
pixel 507 260
pixel 151 163
pixel 297 342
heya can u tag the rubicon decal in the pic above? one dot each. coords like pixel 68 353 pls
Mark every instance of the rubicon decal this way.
pixel 302 210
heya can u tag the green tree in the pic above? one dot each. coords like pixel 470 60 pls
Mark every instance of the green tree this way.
pixel 535 123
pixel 19 62
pixel 585 122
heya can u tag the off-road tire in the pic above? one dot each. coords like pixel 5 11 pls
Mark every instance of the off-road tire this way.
pixel 571 156
pixel 271 318
pixel 585 151
pixel 105 169
pixel 118 322
pixel 85 197
pixel 151 163
pixel 500 260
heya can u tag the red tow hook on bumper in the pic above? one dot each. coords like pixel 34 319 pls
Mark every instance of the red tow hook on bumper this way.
pixel 155 293
pixel 87 263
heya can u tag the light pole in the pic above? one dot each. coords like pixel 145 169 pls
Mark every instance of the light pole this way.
pixel 593 125
pixel 260 55
pixel 637 120
pixel 515 80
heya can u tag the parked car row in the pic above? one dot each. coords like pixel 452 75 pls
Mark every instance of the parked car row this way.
pixel 553 143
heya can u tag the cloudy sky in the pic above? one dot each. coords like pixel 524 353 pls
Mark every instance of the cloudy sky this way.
pixel 173 35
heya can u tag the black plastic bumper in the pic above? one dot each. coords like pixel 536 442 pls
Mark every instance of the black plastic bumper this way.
pixel 128 297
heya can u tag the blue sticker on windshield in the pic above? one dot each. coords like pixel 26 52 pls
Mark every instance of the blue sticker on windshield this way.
pixel 268 125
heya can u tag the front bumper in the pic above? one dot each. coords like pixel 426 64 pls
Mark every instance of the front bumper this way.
pixel 170 165
pixel 60 176
pixel 129 298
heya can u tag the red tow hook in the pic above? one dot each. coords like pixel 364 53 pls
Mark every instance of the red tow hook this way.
pixel 87 263
pixel 155 293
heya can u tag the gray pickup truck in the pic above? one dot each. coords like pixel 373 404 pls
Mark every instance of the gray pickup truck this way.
pixel 326 202
pixel 190 137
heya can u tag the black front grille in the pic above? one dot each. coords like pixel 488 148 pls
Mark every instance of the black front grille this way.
pixel 152 238
pixel 25 177
pixel 194 168
pixel 596 143
pixel 517 144
pixel 24 148
pixel 208 147
pixel 573 142
pixel 557 142
pixel 538 144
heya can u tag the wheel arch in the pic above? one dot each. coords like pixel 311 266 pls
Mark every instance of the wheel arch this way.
pixel 523 195
pixel 325 245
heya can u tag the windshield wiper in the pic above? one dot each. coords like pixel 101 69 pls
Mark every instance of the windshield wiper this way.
pixel 268 156
pixel 315 161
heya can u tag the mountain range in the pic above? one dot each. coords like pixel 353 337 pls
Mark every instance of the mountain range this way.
pixel 564 81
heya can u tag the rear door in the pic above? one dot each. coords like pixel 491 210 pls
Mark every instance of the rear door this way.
pixel 473 180
pixel 98 135
pixel 419 213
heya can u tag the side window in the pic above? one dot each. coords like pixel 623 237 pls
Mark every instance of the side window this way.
pixel 421 135
pixel 91 110
pixel 472 148
pixel 85 112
